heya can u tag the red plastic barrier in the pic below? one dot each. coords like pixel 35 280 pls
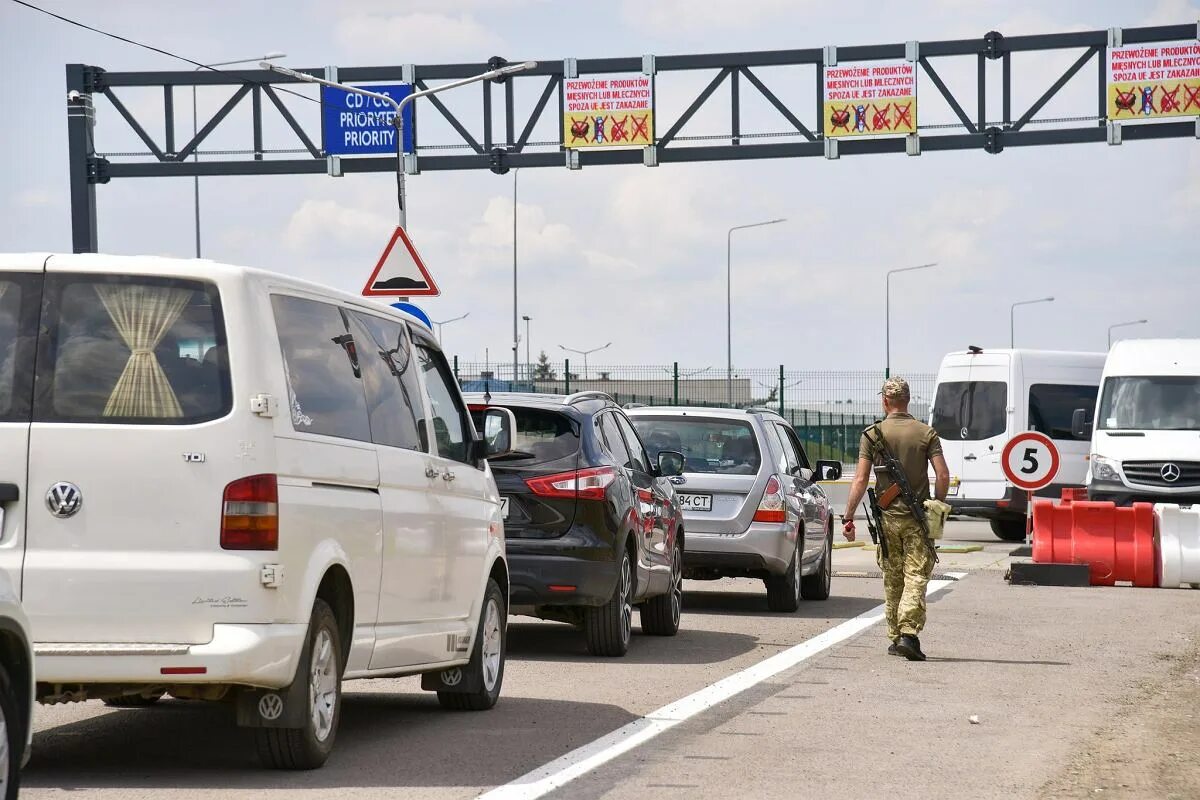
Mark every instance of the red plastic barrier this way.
pixel 1116 543
pixel 1074 494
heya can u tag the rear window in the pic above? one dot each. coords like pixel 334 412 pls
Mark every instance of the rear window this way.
pixel 131 350
pixel 542 435
pixel 11 327
pixel 970 410
pixel 719 446
pixel 1052 407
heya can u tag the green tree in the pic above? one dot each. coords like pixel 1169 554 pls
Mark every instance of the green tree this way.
pixel 542 371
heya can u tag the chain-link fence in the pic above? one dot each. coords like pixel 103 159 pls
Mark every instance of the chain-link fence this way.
pixel 828 408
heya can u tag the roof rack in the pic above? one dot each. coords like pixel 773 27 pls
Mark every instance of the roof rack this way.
pixel 628 406
pixel 761 410
pixel 589 395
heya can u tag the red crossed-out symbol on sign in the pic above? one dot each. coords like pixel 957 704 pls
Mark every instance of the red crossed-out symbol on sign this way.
pixel 903 118
pixel 579 129
pixel 617 132
pixel 1193 97
pixel 840 118
pixel 640 127
pixel 879 117
pixel 1169 100
pixel 1125 101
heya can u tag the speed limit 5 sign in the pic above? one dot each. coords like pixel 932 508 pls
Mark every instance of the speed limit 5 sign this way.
pixel 1030 460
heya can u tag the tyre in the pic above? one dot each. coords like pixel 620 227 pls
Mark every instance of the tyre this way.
pixel 817 585
pixel 134 700
pixel 609 627
pixel 661 615
pixel 321 671
pixel 783 591
pixel 487 659
pixel 12 738
pixel 1010 529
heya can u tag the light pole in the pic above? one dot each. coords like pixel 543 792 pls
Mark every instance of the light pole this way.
pixel 398 108
pixel 196 152
pixel 1012 334
pixel 528 361
pixel 887 314
pixel 447 322
pixel 1122 325
pixel 729 302
pixel 516 332
pixel 585 354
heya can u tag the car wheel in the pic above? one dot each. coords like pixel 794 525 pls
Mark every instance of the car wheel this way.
pixel 321 670
pixel 134 700
pixel 609 627
pixel 12 738
pixel 783 591
pixel 487 659
pixel 661 615
pixel 817 585
pixel 1010 529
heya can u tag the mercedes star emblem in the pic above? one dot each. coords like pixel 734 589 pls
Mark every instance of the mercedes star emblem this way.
pixel 964 433
pixel 1170 472
pixel 64 499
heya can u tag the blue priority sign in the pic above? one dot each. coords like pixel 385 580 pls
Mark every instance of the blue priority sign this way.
pixel 356 125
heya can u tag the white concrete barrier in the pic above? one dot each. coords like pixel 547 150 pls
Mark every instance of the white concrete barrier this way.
pixel 1178 545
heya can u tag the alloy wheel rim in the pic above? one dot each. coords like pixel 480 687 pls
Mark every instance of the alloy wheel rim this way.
pixel 322 685
pixel 676 587
pixel 4 753
pixel 796 573
pixel 827 567
pixel 626 600
pixel 492 646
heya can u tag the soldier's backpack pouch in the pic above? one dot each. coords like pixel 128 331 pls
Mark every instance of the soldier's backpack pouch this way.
pixel 936 513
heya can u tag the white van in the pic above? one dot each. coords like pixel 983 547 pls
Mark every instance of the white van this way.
pixel 984 398
pixel 1146 444
pixel 234 485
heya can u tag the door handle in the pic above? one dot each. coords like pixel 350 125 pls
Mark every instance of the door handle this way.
pixel 447 476
pixel 430 472
pixel 9 493
pixel 970 457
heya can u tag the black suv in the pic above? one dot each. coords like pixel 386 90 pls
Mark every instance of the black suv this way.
pixel 591 524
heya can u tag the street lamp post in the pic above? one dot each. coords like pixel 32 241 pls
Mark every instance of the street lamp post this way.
pixel 528 360
pixel 1122 325
pixel 447 322
pixel 585 354
pixel 196 153
pixel 729 302
pixel 887 314
pixel 516 332
pixel 398 108
pixel 1012 331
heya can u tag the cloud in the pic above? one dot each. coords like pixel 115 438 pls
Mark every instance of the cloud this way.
pixel 1171 12
pixel 708 16
pixel 417 37
pixel 328 221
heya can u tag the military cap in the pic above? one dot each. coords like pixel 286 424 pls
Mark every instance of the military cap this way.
pixel 896 389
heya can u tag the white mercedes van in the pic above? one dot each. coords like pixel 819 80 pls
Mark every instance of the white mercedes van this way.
pixel 1146 443
pixel 984 398
pixel 234 485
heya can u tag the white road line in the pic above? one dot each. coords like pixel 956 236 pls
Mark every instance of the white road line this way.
pixel 583 760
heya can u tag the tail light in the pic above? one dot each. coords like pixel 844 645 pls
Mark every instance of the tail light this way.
pixel 583 484
pixel 250 514
pixel 771 509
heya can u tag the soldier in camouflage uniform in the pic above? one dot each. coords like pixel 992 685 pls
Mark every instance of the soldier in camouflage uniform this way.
pixel 909 564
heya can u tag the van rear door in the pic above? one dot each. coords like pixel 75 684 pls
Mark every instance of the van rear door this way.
pixel 131 447
pixel 20 298
pixel 970 414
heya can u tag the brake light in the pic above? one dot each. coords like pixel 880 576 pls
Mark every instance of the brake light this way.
pixel 771 509
pixel 250 514
pixel 583 484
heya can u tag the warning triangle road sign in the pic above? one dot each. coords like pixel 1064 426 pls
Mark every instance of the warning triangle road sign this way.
pixel 400 272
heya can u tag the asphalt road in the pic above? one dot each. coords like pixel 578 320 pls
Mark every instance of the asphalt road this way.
pixel 1041 667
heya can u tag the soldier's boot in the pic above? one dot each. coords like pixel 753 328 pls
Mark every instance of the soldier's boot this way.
pixel 893 650
pixel 910 648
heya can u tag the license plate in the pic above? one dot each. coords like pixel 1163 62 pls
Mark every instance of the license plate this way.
pixel 504 506
pixel 695 502
pixel 953 489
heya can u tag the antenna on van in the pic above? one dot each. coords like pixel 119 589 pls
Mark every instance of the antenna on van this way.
pixel 973 350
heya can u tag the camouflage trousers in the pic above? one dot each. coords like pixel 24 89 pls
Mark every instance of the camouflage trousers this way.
pixel 906 573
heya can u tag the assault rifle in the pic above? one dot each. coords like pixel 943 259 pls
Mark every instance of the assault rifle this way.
pixel 875 523
pixel 900 488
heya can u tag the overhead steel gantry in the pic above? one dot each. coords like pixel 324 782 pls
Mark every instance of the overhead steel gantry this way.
pixel 482 150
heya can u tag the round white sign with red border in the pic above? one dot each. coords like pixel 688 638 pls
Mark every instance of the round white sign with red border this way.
pixel 1030 461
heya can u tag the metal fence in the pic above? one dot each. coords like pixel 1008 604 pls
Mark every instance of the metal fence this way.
pixel 828 408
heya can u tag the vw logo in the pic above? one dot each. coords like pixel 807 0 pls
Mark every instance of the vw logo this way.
pixel 270 706
pixel 64 499
pixel 452 677
pixel 1170 472
pixel 964 433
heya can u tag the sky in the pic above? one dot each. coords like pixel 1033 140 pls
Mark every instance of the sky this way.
pixel 636 255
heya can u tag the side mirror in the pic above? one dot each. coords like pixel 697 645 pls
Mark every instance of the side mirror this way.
pixel 829 470
pixel 670 463
pixel 499 427
pixel 1080 427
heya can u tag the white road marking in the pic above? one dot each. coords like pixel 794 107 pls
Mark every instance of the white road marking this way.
pixel 583 760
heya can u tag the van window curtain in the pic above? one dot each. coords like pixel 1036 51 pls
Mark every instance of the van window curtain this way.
pixel 142 316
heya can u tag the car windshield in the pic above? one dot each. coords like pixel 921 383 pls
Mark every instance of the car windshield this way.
pixel 541 435
pixel 1151 403
pixel 720 446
